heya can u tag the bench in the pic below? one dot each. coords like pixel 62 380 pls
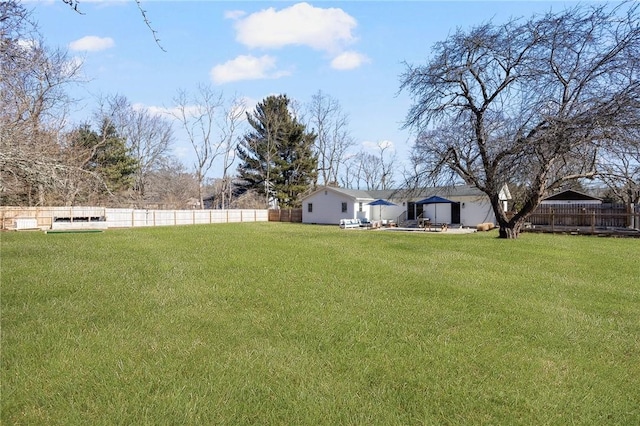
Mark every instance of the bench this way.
pixel 349 223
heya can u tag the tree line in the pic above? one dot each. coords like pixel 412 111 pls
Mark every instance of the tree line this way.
pixel 121 155
pixel 541 103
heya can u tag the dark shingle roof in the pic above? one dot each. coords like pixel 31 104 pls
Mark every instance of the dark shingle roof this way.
pixel 572 195
pixel 408 194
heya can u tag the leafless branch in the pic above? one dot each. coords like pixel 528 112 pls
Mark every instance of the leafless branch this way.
pixel 148 23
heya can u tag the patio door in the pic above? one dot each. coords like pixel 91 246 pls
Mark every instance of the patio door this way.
pixel 455 213
pixel 414 210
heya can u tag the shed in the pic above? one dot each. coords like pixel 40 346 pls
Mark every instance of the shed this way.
pixel 571 196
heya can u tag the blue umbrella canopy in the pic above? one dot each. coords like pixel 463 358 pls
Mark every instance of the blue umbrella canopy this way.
pixel 435 199
pixel 381 202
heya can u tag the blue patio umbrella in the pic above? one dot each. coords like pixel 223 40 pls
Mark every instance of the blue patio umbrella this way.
pixel 380 202
pixel 435 199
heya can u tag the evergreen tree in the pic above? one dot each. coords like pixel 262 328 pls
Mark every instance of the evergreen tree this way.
pixel 277 158
pixel 108 156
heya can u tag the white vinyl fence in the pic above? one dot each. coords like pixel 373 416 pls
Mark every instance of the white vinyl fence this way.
pixel 102 218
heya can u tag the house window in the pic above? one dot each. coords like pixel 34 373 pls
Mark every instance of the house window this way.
pixel 359 207
pixel 310 207
pixel 344 207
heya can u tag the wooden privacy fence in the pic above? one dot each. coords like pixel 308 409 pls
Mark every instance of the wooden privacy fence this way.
pixel 100 217
pixel 586 215
pixel 285 215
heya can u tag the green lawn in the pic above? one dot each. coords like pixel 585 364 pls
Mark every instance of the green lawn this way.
pixel 270 323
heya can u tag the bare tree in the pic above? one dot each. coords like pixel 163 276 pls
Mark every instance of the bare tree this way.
pixel 349 178
pixel 331 124
pixel 77 183
pixel 149 137
pixel 619 167
pixel 371 171
pixel 249 200
pixel 387 164
pixel 33 108
pixel 75 5
pixel 197 115
pixel 171 185
pixel 233 116
pixel 528 101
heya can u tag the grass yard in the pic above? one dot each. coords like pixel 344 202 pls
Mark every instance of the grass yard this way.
pixel 271 323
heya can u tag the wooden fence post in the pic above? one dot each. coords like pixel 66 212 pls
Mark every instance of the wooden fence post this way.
pixel 552 220
pixel 593 222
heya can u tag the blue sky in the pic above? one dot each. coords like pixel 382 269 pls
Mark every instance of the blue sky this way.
pixel 352 50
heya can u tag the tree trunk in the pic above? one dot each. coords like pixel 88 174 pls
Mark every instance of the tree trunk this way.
pixel 509 228
pixel 200 195
pixel 509 232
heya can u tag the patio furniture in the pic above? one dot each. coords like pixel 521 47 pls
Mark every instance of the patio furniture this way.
pixel 365 223
pixel 349 223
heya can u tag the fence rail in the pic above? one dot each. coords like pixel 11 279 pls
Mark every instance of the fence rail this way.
pixel 101 217
pixel 586 215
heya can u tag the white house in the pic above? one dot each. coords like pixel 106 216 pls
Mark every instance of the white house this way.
pixel 468 206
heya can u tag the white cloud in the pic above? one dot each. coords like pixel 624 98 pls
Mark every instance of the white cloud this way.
pixel 246 67
pixel 349 156
pixel 301 24
pixel 181 151
pixel 348 61
pixel 152 109
pixel 387 144
pixel 378 146
pixel 168 113
pixel 92 44
pixel 73 66
pixel 28 44
pixel 155 110
pixel 234 14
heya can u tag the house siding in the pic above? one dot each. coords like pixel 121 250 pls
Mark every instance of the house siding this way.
pixel 475 211
pixel 327 208
pixel 437 213
pixel 386 212
pixel 327 205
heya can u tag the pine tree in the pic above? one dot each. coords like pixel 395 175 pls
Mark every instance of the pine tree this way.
pixel 277 158
pixel 108 156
